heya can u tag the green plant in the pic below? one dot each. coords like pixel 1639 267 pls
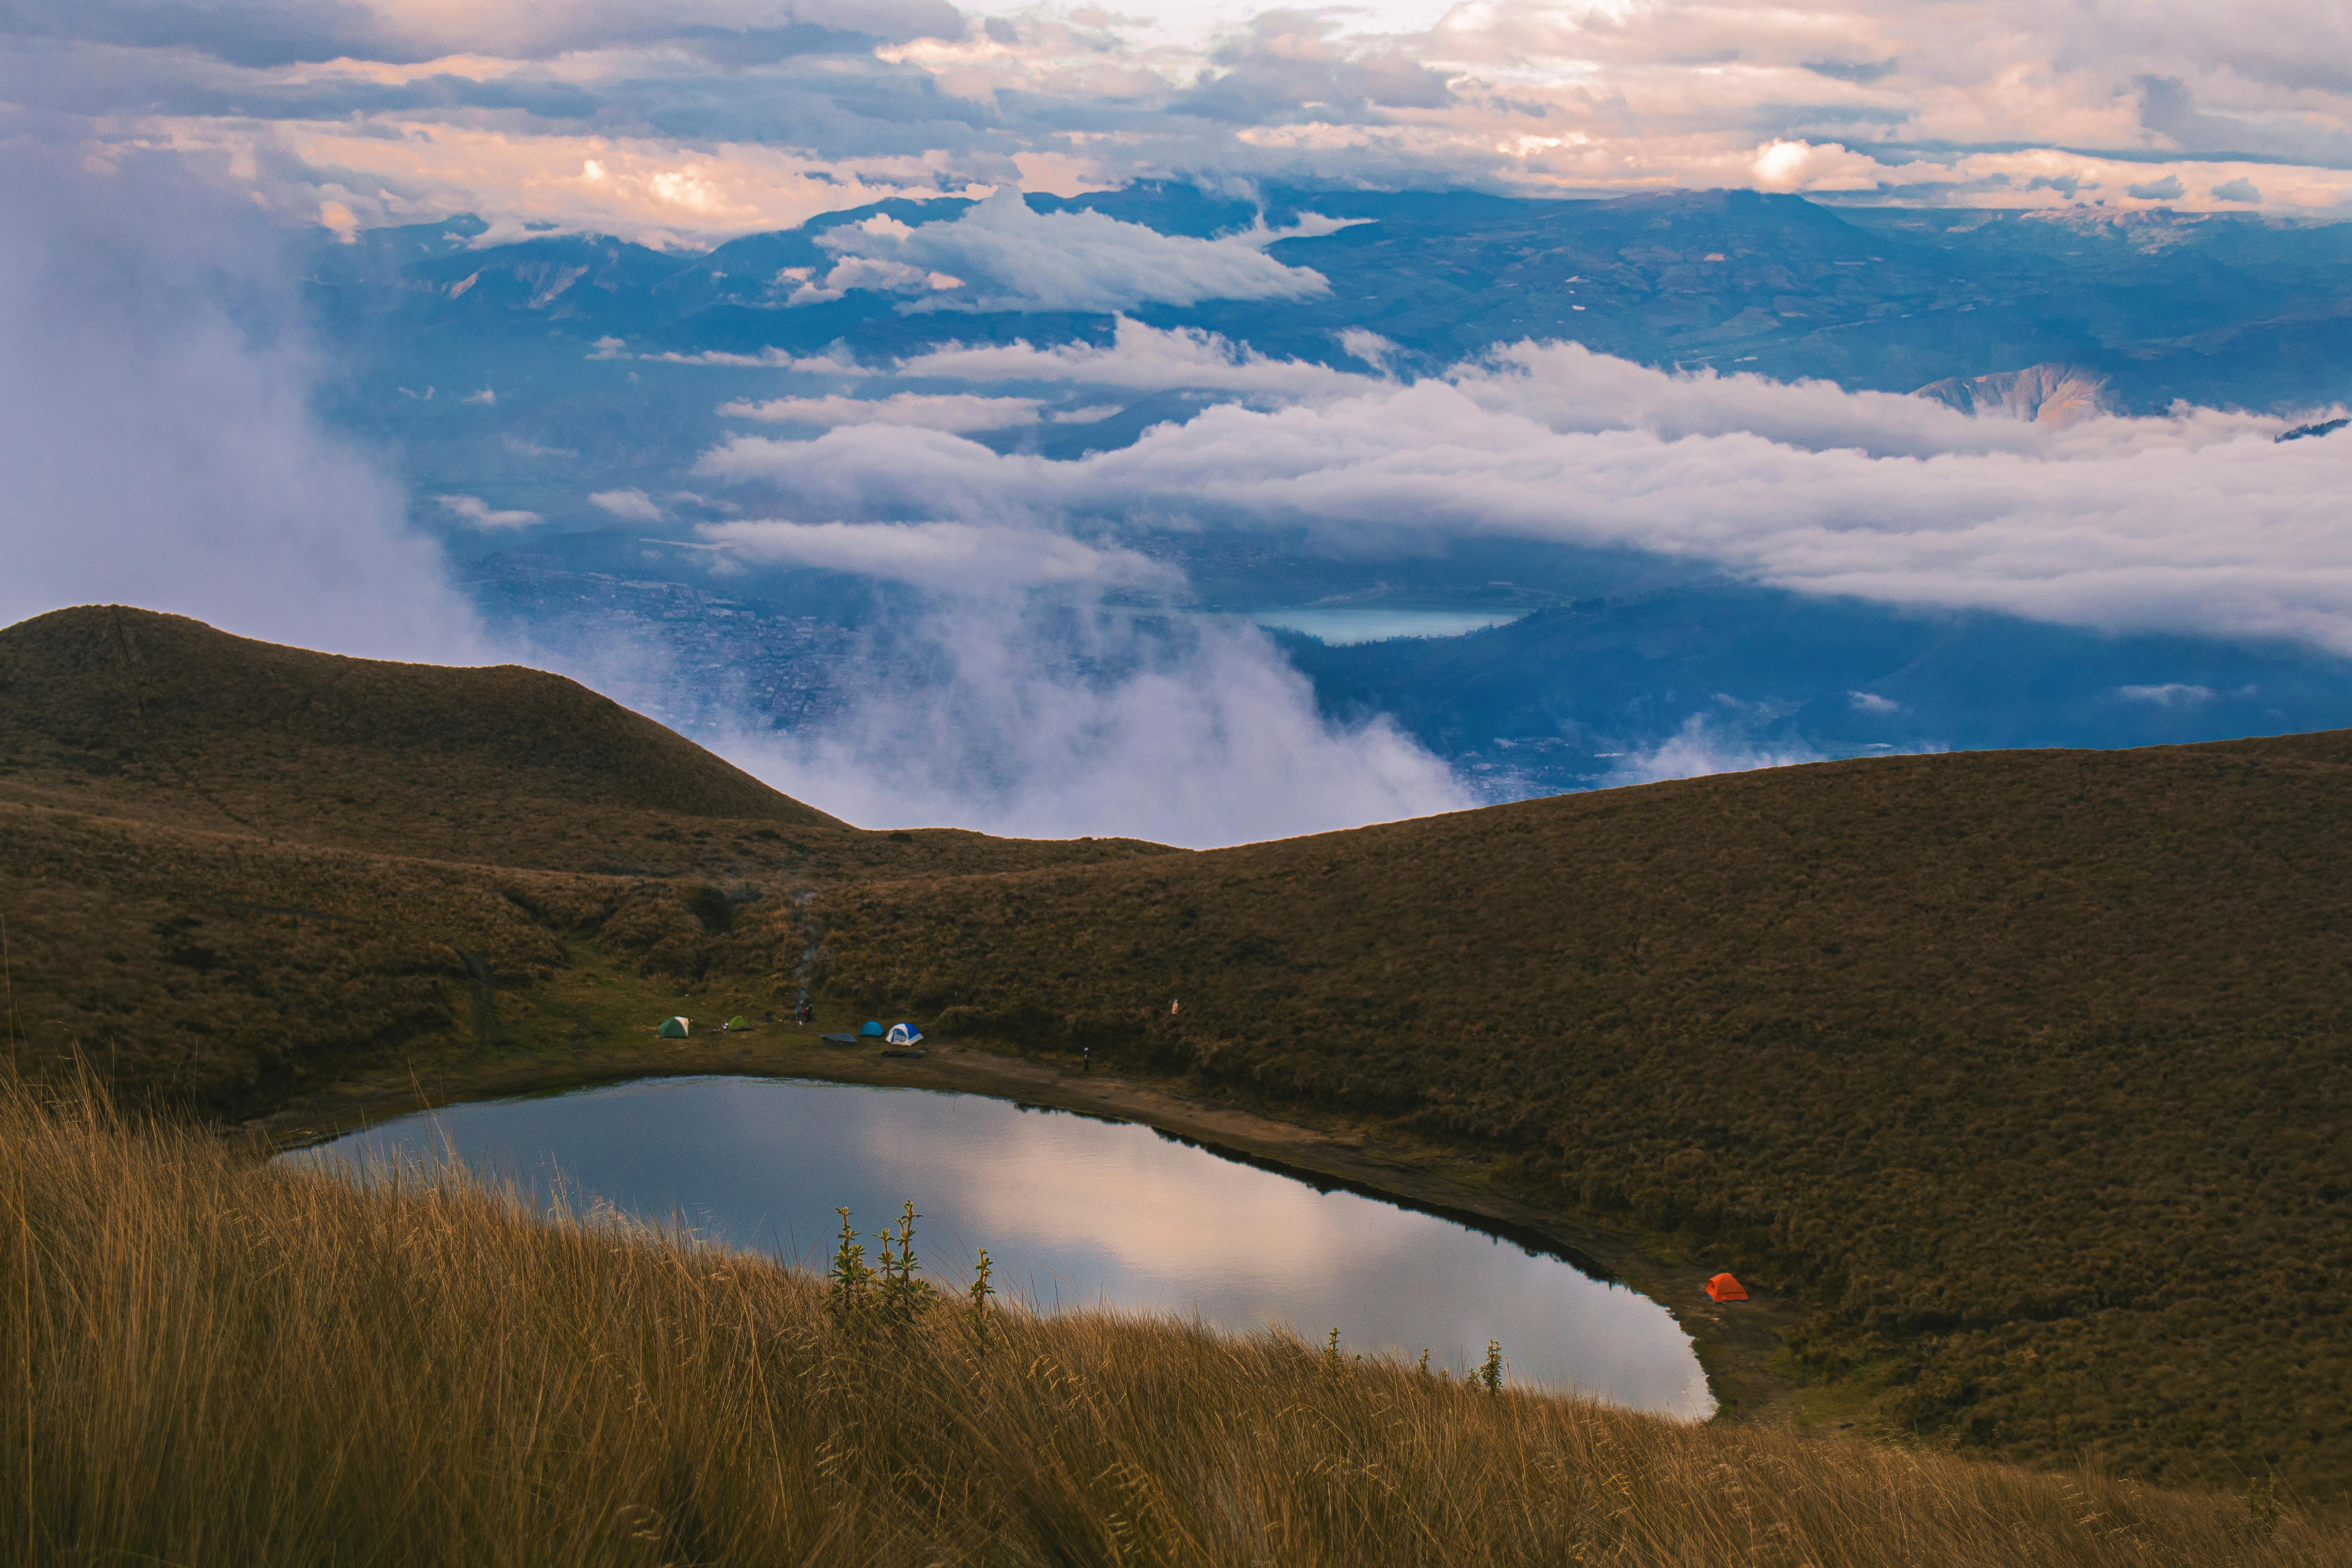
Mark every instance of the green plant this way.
pixel 899 1295
pixel 850 1280
pixel 2263 1507
pixel 978 1295
pixel 1490 1375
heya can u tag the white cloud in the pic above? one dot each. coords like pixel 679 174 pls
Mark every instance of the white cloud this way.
pixel 2171 694
pixel 475 512
pixel 1139 358
pixel 1201 738
pixel 949 558
pixel 1700 748
pixel 2195 523
pixel 631 505
pixel 1871 703
pixel 357 115
pixel 950 411
pixel 486 397
pixel 1001 256
pixel 160 448
pixel 766 359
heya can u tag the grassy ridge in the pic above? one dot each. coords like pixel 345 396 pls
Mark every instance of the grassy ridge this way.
pixel 2023 1073
pixel 2028 1073
pixel 227 868
pixel 206 1360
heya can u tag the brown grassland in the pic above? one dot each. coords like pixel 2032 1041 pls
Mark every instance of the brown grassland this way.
pixel 2018 1081
pixel 209 1360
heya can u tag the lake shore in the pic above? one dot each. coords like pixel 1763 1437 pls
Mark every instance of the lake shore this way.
pixel 1737 1344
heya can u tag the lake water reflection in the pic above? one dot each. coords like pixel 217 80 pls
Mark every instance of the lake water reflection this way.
pixel 1074 1212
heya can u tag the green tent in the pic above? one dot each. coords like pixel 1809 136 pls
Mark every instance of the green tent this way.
pixel 672 1029
pixel 739 1022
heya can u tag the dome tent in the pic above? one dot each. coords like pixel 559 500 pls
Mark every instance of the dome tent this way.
pixel 870 1030
pixel 1724 1288
pixel 904 1033
pixel 673 1028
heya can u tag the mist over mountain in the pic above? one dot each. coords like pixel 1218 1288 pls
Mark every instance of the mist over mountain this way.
pixel 786 464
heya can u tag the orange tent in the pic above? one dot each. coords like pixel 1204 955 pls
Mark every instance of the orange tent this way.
pixel 1724 1288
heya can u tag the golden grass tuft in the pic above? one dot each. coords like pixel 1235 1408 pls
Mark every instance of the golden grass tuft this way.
pixel 210 1360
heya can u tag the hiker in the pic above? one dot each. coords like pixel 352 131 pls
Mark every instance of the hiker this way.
pixel 803 1013
pixel 1086 1059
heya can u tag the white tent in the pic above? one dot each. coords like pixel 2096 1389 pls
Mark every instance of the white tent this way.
pixel 904 1033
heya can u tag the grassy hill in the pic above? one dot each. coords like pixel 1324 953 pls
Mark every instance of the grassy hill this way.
pixel 2023 1075
pixel 226 866
pixel 2028 1074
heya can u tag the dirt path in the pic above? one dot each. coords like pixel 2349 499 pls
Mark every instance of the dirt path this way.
pixel 1736 1343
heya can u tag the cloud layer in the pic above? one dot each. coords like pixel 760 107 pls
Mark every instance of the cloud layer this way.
pixel 1001 256
pixel 1198 735
pixel 2199 522
pixel 684 124
pixel 160 448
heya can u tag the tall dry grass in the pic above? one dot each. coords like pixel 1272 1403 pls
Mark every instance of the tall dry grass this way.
pixel 210 1360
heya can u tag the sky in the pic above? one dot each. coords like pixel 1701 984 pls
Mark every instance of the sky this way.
pixel 684 123
pixel 164 447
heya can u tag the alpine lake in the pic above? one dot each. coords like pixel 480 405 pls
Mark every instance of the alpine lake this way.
pixel 1074 1211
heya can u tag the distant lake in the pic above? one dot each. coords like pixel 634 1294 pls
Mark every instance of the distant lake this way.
pixel 1340 625
pixel 1074 1211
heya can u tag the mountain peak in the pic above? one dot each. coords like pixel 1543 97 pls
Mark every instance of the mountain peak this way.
pixel 2054 393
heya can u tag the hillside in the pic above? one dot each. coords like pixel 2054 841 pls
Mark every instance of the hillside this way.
pixel 2020 1075
pixel 2025 1073
pixel 225 865
pixel 165 720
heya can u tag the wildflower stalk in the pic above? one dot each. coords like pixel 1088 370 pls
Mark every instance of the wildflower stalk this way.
pixel 979 1293
pixel 850 1280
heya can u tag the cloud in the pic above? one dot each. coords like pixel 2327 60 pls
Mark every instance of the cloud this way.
pixel 2167 189
pixel 2108 523
pixel 1191 734
pixel 951 411
pixel 949 558
pixel 161 448
pixel 1001 256
pixel 2240 190
pixel 486 397
pixel 475 512
pixel 630 506
pixel 286 32
pixel 2172 694
pixel 683 126
pixel 1871 703
pixel 1700 747
pixel 766 359
pixel 1138 359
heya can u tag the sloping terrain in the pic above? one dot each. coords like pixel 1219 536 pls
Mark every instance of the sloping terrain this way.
pixel 2023 1075
pixel 225 865
pixel 2029 1074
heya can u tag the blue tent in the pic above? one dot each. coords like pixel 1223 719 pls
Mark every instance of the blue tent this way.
pixel 905 1034
pixel 872 1030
